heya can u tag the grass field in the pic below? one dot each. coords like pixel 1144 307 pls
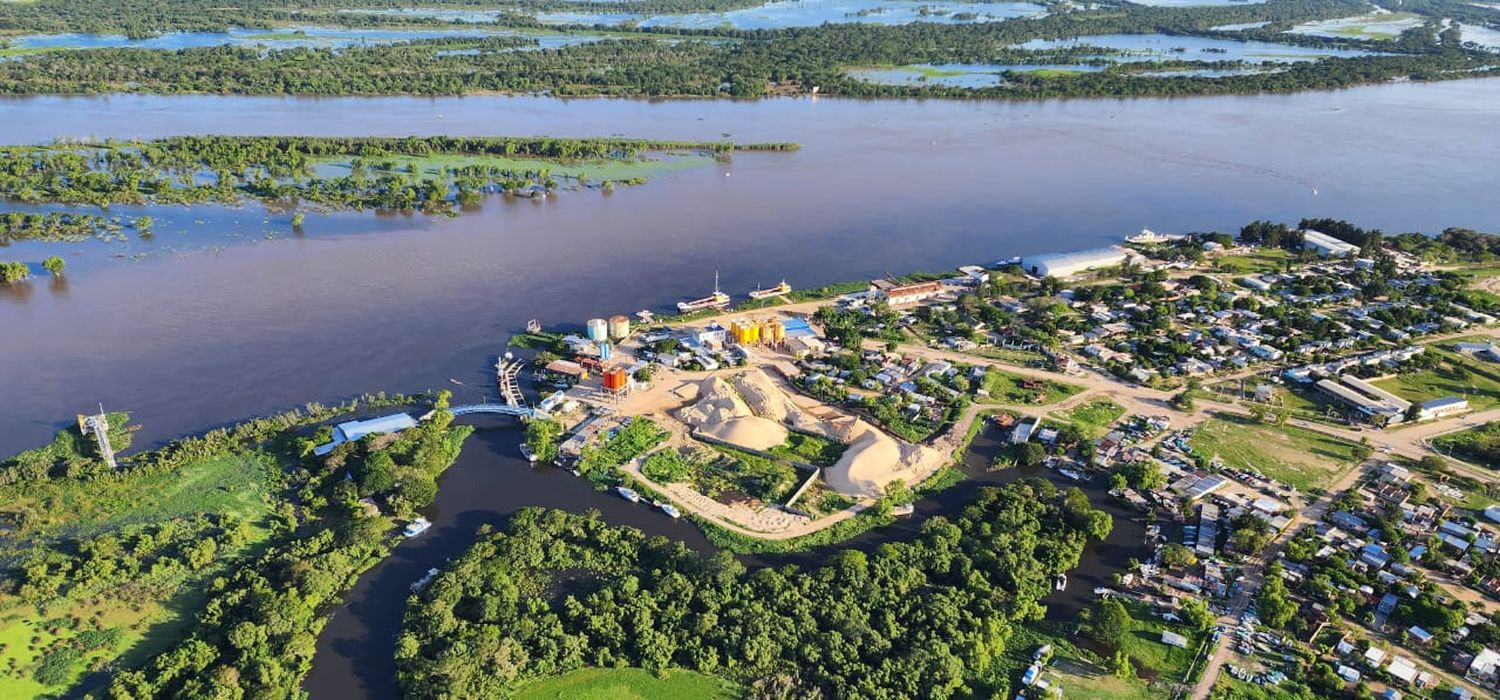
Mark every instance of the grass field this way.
pixel 1080 672
pixel 629 684
pixel 811 449
pixel 1456 376
pixel 1302 458
pixel 59 639
pixel 1093 418
pixel 1008 388
pixel 79 509
pixel 1480 444
pixel 1256 261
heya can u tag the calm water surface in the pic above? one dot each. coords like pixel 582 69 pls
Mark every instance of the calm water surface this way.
pixel 193 339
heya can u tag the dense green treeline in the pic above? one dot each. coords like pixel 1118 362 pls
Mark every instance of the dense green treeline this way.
pixel 753 63
pixel 927 619
pixel 232 527
pixel 256 634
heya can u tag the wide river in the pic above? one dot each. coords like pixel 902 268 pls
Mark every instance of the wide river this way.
pixel 210 334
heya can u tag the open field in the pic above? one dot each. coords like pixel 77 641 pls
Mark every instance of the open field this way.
pixel 1457 376
pixel 628 684
pixel 1302 458
pixel 1009 388
pixel 1081 673
pixel 49 640
pixel 1093 418
pixel 1256 261
pixel 1480 445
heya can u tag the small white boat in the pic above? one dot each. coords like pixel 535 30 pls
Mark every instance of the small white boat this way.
pixel 1060 583
pixel 1102 591
pixel 1071 474
pixel 1033 672
pixel 1042 652
pixel 577 473
pixel 671 510
pixel 904 509
pixel 628 494
pixel 416 527
pixel 527 453
pixel 421 583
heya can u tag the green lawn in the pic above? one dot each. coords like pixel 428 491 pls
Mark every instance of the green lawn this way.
pixel 1255 261
pixel 629 684
pixel 1302 458
pixel 1080 672
pixel 811 449
pixel 129 621
pixel 1480 444
pixel 1093 418
pixel 1456 376
pixel 1007 388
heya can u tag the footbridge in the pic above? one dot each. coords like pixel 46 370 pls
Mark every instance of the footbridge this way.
pixel 495 408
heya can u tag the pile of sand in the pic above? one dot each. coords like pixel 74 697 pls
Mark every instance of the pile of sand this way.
pixel 720 413
pixel 770 401
pixel 875 459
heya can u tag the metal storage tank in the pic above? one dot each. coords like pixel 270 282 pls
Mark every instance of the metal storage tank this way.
pixel 771 332
pixel 615 379
pixel 606 351
pixel 619 327
pixel 597 330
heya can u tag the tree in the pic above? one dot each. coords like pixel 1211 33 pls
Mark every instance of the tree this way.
pixel 12 272
pixel 1184 401
pixel 297 219
pixel 54 264
pixel 1196 615
pixel 1363 450
pixel 1110 622
pixel 1177 556
pixel 1276 607
pixel 1032 454
pixel 1251 534
pixel 542 438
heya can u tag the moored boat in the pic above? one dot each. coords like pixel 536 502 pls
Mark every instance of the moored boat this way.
pixel 904 509
pixel 628 494
pixel 775 291
pixel 416 527
pixel 715 300
pixel 1060 583
pixel 671 510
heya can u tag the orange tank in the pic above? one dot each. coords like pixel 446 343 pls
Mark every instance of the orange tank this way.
pixel 615 379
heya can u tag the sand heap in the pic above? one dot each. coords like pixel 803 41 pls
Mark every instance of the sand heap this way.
pixel 750 410
pixel 771 402
pixel 721 414
pixel 875 459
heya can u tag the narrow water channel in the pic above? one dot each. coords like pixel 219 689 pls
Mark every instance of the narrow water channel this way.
pixel 490 481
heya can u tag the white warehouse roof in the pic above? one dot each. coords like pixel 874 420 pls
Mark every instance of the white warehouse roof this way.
pixel 1066 264
pixel 352 431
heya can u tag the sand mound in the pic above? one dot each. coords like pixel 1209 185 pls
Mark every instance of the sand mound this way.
pixel 875 459
pixel 720 413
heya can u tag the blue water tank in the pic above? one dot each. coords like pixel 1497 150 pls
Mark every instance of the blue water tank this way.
pixel 606 351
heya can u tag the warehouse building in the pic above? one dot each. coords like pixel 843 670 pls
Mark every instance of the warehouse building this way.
pixel 1326 245
pixel 352 431
pixel 1069 264
pixel 1442 408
